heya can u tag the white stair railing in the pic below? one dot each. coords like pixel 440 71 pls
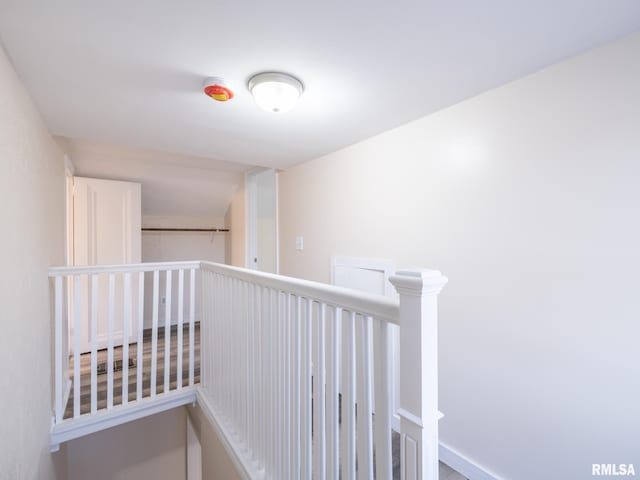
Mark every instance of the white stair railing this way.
pixel 99 313
pixel 270 366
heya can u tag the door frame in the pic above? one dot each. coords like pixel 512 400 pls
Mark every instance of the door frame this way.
pixel 251 218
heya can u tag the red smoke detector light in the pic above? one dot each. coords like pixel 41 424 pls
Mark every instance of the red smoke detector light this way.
pixel 214 88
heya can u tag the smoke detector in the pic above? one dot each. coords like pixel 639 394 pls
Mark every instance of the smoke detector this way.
pixel 215 88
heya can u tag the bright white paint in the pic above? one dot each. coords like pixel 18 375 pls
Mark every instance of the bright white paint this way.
pixel 131 73
pixel 418 410
pixel 265 337
pixel 172 185
pixel 32 215
pixel 106 226
pixel 63 430
pixel 527 197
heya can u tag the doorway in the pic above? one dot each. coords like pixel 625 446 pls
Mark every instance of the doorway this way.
pixel 106 222
pixel 262 220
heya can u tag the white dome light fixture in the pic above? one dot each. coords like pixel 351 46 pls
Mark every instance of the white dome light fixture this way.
pixel 274 91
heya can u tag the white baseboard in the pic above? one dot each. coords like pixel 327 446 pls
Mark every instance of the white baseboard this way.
pixel 463 465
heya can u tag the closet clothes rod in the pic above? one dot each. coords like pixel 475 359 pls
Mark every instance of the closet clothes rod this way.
pixel 153 229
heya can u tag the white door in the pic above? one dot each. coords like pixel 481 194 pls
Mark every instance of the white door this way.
pixel 106 231
pixel 262 220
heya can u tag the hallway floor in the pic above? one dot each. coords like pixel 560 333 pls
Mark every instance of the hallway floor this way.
pixel 446 473
pixel 85 370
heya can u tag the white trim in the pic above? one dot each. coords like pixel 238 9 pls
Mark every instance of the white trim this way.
pixel 250 219
pixel 128 267
pixel 277 220
pixel 88 423
pixel 376 306
pixel 244 466
pixel 464 465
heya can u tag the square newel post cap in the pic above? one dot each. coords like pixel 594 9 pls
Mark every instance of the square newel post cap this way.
pixel 418 281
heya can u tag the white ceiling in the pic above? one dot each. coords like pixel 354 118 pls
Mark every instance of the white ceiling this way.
pixel 172 185
pixel 130 72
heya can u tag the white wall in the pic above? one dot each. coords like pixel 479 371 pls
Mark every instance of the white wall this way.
pixel 147 449
pixel 235 220
pixel 216 462
pixel 179 246
pixel 32 239
pixel 527 198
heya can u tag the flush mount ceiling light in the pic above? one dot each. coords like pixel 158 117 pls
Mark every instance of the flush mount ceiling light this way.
pixel 274 91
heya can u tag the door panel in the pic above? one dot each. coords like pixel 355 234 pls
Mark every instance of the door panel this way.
pixel 107 221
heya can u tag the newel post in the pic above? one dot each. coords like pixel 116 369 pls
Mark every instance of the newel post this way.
pixel 419 415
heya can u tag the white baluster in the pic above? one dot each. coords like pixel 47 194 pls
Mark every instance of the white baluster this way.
pixel 154 332
pixel 287 376
pixel 126 327
pixel 251 395
pixel 384 394
pixel 140 345
pixel 192 316
pixel 365 410
pixel 225 348
pixel 58 352
pixel 244 347
pixel 167 333
pixel 296 387
pixel 333 412
pixel 110 340
pixel 307 444
pixel 77 320
pixel 349 400
pixel 207 349
pixel 270 333
pixel 319 396
pixel 94 343
pixel 260 407
pixel 180 327
pixel 277 397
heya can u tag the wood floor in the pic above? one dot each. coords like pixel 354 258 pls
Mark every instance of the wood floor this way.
pixel 85 370
pixel 446 473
